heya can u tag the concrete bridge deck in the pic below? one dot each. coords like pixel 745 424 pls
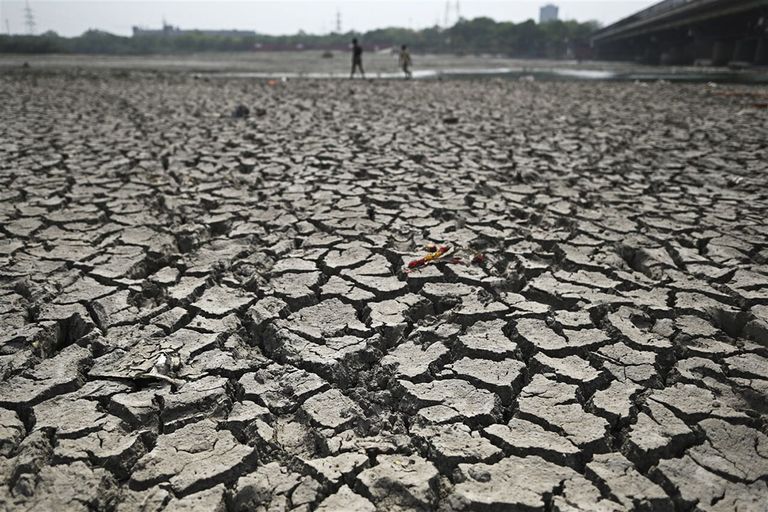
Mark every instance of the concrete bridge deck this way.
pixel 716 32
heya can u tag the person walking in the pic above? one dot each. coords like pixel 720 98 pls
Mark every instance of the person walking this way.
pixel 405 61
pixel 357 59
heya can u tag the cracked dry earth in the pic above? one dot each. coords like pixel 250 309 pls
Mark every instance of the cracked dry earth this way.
pixel 208 313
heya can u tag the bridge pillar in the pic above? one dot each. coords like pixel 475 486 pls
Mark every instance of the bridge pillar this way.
pixel 675 56
pixel 744 51
pixel 722 51
pixel 701 50
pixel 650 56
pixel 761 51
pixel 648 52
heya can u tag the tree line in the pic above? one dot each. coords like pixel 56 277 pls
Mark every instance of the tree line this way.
pixel 554 39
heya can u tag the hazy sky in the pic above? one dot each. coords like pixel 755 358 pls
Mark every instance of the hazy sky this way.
pixel 72 17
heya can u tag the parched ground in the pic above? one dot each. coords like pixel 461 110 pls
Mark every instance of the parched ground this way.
pixel 207 313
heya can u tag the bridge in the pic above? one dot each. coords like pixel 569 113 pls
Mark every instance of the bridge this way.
pixel 679 32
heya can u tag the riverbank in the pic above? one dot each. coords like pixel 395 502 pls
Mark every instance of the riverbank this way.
pixel 208 299
pixel 312 64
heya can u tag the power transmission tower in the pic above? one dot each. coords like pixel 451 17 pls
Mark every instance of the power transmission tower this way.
pixel 338 21
pixel 447 13
pixel 458 11
pixel 29 19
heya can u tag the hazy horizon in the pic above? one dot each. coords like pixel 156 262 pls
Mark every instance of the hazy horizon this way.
pixel 73 17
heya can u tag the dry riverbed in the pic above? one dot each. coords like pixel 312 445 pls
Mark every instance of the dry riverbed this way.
pixel 203 312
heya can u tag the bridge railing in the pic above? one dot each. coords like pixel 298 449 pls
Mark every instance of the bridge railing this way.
pixel 666 5
pixel 653 12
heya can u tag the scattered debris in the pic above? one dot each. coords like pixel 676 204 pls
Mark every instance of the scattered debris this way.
pixel 166 365
pixel 241 112
pixel 478 258
pixel 435 253
pixel 441 253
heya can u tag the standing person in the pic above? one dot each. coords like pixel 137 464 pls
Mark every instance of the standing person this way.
pixel 357 59
pixel 405 61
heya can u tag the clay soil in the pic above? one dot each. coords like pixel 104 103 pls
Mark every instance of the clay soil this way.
pixel 203 312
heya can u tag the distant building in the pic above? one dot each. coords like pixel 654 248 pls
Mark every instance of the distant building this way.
pixel 171 31
pixel 548 13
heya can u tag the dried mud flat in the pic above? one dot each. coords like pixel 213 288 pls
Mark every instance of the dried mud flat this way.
pixel 207 313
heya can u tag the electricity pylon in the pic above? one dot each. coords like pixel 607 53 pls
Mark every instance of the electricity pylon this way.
pixel 29 19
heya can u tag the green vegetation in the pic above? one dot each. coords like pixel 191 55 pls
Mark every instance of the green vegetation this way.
pixel 480 35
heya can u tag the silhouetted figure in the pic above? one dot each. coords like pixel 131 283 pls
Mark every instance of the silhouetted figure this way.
pixel 357 59
pixel 405 61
